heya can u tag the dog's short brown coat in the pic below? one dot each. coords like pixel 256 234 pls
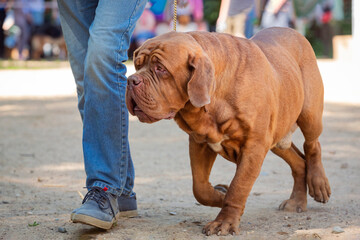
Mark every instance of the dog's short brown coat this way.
pixel 238 98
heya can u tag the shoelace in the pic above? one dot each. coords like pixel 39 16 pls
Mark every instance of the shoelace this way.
pixel 99 195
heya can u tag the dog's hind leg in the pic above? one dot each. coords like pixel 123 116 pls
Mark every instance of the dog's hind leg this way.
pixel 202 159
pixel 311 126
pixel 297 201
pixel 310 123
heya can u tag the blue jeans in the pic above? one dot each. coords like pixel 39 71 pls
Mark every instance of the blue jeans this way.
pixel 97 35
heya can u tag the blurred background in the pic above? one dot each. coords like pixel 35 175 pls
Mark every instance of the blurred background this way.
pixel 32 47
pixel 30 29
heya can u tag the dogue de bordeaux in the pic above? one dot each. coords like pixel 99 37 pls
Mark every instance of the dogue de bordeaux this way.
pixel 238 98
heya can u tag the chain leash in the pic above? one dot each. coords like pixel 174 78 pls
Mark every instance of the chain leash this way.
pixel 175 15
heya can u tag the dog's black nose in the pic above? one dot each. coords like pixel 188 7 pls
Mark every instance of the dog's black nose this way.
pixel 134 80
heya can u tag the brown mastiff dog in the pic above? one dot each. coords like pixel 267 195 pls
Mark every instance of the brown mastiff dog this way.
pixel 238 98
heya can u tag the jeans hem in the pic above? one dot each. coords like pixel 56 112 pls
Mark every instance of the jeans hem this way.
pixel 117 192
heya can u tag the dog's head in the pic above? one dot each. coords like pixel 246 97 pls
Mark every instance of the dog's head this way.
pixel 170 70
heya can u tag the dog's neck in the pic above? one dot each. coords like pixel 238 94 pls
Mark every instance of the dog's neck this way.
pixel 199 122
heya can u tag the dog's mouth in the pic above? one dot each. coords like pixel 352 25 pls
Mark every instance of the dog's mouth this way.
pixel 143 117
pixel 135 110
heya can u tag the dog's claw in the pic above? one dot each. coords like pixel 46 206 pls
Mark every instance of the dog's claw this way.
pixel 299 210
pixel 222 228
pixel 282 205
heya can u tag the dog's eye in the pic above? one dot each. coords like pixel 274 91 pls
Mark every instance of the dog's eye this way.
pixel 138 64
pixel 159 68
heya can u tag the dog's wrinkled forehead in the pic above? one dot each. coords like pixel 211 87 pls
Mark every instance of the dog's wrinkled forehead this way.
pixel 169 49
pixel 144 53
pixel 140 57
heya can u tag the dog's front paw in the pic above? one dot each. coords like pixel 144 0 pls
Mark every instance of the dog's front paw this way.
pixel 227 222
pixel 293 205
pixel 222 228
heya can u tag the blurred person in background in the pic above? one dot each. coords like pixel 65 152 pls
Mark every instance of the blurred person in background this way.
pixel 145 28
pixel 304 11
pixel 197 13
pixel 325 33
pixel 233 15
pixel 2 34
pixel 23 20
pixel 157 7
pixel 189 15
pixel 211 13
pixel 37 8
pixel 184 17
pixel 278 13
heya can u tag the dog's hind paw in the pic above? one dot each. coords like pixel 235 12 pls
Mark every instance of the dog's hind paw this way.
pixel 319 187
pixel 293 205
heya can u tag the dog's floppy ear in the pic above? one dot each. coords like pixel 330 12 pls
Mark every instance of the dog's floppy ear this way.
pixel 201 80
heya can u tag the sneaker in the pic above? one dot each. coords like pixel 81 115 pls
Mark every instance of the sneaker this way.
pixel 99 209
pixel 127 206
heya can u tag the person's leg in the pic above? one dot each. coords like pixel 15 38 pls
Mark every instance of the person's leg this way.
pixel 76 17
pixel 239 27
pixel 20 21
pixel 229 25
pixel 268 19
pixel 240 19
pixel 97 47
pixel 105 133
pixel 249 25
pixel 105 122
pixel 37 17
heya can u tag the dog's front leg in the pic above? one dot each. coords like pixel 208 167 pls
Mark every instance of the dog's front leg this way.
pixel 248 169
pixel 202 158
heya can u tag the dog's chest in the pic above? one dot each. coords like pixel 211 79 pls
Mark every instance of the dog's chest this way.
pixel 206 130
pixel 217 146
pixel 226 147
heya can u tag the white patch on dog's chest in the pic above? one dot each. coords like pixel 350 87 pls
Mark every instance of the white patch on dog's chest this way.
pixel 217 147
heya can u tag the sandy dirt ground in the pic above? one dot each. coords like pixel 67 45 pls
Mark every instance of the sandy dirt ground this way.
pixel 42 173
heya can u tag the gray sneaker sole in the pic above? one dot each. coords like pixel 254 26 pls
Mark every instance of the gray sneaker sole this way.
pixel 129 214
pixel 85 219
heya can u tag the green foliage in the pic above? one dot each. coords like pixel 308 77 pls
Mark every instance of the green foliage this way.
pixel 211 11
pixel 346 27
pixel 313 36
pixel 34 224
